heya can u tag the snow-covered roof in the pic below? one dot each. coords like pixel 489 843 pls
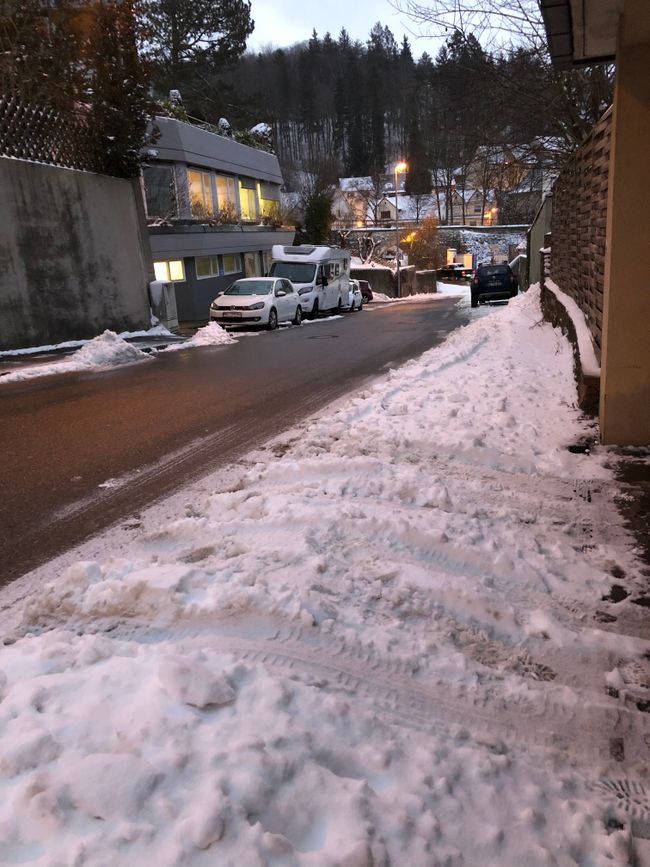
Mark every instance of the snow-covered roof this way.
pixel 412 207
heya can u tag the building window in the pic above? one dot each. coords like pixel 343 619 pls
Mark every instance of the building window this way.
pixel 231 263
pixel 207 266
pixel 384 215
pixel 169 271
pixel 248 200
pixel 226 193
pixel 269 198
pixel 200 186
pixel 160 191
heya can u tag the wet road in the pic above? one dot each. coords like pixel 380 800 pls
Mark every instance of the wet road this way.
pixel 82 451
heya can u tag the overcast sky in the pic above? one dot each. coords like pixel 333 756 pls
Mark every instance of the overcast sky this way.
pixel 283 22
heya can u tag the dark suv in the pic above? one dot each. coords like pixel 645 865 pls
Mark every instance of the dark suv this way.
pixel 493 283
pixel 366 291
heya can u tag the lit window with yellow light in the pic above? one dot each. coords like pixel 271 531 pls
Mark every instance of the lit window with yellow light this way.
pixel 169 271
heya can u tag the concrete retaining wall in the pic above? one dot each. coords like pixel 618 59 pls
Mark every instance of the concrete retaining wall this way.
pixel 426 281
pixel 380 279
pixel 74 255
pixel 537 239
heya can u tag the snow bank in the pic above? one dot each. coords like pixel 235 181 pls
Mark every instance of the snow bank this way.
pixel 379 641
pixel 586 351
pixel 211 334
pixel 155 331
pixel 107 350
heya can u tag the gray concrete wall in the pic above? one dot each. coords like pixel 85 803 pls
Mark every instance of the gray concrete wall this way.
pixel 535 240
pixel 74 255
pixel 426 281
pixel 380 279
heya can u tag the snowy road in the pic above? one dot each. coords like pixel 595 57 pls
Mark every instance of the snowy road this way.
pixel 87 449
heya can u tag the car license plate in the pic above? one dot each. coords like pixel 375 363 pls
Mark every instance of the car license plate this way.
pixel 236 314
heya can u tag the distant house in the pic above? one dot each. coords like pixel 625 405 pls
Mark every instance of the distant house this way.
pixel 352 198
pixel 407 208
pixel 213 209
pixel 472 208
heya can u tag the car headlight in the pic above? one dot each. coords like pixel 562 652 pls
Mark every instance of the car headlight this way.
pixel 258 306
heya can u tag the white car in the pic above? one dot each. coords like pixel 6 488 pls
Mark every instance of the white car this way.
pixel 355 298
pixel 257 301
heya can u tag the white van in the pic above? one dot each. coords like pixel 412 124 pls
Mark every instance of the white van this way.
pixel 320 275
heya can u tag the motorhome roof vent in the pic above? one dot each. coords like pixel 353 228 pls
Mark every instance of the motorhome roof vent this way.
pixel 302 250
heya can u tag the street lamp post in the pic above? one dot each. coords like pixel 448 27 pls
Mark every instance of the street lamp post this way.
pixel 400 168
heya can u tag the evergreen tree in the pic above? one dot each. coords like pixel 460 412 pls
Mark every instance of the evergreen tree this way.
pixel 405 53
pixel 317 197
pixel 183 35
pixel 120 105
pixel 418 177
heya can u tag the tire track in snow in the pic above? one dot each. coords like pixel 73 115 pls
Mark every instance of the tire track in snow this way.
pixel 601 735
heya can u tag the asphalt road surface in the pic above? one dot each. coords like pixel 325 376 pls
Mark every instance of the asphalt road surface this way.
pixel 83 451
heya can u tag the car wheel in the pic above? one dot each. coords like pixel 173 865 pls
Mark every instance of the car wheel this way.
pixel 474 301
pixel 314 310
pixel 352 307
pixel 273 320
pixel 297 319
pixel 339 308
pixel 361 306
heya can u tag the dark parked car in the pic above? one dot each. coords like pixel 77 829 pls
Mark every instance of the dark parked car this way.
pixel 366 291
pixel 493 283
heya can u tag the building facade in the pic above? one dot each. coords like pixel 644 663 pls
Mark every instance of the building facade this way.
pixel 213 212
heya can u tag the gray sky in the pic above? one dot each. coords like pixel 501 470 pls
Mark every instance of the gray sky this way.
pixel 283 22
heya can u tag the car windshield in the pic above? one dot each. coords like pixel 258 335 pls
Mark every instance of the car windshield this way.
pixel 494 270
pixel 297 272
pixel 250 287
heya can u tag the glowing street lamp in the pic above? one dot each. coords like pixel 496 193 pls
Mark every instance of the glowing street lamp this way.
pixel 400 168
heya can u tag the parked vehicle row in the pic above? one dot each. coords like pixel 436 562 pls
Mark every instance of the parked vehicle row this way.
pixel 303 281
pixel 454 273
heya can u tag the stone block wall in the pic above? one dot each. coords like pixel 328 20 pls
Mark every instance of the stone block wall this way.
pixel 579 223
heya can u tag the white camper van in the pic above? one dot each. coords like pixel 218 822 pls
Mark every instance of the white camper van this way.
pixel 320 275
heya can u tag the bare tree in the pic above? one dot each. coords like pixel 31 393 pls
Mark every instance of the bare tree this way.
pixel 495 23
pixel 573 101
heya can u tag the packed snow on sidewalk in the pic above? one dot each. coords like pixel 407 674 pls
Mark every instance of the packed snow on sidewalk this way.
pixel 380 640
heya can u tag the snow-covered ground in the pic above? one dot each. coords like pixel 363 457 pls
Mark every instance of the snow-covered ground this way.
pixel 380 640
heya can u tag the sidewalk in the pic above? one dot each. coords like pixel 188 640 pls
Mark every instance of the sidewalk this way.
pixel 633 473
pixel 390 637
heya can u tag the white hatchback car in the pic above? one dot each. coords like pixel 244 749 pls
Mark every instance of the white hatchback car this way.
pixel 257 301
pixel 355 298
